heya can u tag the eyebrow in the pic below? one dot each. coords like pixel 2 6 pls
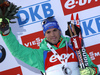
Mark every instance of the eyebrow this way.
pixel 50 31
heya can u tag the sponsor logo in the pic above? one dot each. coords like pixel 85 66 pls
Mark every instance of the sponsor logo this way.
pixel 94 53
pixel 51 27
pixel 72 6
pixel 51 23
pixel 53 58
pixel 84 56
pixel 75 43
pixel 90 26
pixel 13 71
pixel 34 13
pixel 33 40
pixel 2 53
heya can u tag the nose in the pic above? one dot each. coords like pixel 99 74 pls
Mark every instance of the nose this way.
pixel 52 33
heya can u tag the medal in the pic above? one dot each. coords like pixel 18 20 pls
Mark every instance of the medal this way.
pixel 67 70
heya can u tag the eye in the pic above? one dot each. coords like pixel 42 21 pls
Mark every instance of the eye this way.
pixel 48 32
pixel 55 30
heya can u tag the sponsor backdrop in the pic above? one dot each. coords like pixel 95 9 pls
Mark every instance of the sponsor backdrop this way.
pixel 28 29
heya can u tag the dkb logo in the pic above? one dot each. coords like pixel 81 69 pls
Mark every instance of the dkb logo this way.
pixel 34 13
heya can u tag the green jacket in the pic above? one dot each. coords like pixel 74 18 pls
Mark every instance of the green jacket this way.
pixel 33 57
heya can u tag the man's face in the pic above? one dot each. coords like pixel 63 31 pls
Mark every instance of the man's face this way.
pixel 53 35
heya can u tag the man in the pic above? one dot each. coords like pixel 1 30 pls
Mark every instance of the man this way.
pixel 54 57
